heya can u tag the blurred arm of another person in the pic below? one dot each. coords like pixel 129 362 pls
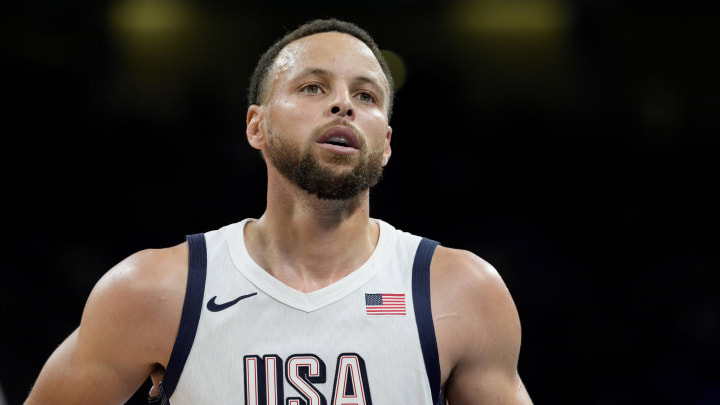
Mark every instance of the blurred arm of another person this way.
pixel 126 333
pixel 478 331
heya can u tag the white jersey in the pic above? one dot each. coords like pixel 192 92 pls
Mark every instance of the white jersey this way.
pixel 247 338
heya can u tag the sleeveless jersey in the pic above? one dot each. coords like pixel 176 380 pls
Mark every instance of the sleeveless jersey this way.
pixel 247 338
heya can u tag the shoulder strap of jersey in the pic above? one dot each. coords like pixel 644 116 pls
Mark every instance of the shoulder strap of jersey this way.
pixel 192 307
pixel 423 313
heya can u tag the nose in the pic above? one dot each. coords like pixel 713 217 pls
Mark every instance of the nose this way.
pixel 336 110
pixel 342 107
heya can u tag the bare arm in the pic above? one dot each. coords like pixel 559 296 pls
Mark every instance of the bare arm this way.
pixel 127 329
pixel 478 331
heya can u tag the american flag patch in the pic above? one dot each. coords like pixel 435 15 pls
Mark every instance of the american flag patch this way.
pixel 385 304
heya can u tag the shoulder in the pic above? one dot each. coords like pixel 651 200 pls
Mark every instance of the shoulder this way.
pixel 465 274
pixel 127 329
pixel 139 302
pixel 475 317
pixel 146 277
pixel 145 271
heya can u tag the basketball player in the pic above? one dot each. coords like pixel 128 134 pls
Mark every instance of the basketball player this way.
pixel 315 302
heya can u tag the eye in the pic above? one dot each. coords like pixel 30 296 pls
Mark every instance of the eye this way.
pixel 366 97
pixel 311 89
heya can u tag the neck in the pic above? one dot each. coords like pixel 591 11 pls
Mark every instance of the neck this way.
pixel 309 243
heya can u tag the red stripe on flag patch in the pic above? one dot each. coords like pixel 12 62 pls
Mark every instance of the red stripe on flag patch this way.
pixel 385 304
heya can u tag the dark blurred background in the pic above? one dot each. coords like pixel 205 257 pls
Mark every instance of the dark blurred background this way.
pixel 571 144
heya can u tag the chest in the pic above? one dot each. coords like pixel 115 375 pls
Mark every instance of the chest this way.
pixel 362 346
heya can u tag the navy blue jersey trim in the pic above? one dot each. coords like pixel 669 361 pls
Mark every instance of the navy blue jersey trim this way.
pixel 192 307
pixel 423 313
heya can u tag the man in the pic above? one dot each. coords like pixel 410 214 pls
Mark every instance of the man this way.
pixel 314 302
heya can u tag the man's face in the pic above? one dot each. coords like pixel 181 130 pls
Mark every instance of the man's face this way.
pixel 326 122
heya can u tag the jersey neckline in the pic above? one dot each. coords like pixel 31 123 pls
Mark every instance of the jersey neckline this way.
pixel 308 302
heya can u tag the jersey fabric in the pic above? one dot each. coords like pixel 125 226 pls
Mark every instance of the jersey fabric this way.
pixel 247 338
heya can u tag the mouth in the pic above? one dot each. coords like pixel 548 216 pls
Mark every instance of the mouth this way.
pixel 341 136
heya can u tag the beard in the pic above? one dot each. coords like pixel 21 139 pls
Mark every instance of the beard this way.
pixel 302 168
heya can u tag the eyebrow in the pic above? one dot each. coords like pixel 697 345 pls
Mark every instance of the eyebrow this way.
pixel 322 72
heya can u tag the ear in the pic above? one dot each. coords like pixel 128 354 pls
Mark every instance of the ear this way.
pixel 256 131
pixel 388 151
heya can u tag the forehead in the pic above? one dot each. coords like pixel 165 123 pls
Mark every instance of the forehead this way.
pixel 339 53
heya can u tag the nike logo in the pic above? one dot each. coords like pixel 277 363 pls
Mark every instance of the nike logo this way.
pixel 212 306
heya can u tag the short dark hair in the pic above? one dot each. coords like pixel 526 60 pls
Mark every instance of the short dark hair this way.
pixel 259 80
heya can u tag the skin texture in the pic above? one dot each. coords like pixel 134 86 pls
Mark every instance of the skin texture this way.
pixel 305 242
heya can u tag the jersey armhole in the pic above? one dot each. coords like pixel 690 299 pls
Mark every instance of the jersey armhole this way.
pixel 423 315
pixel 192 308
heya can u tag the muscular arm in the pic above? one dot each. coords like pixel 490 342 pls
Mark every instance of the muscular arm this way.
pixel 478 331
pixel 127 329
